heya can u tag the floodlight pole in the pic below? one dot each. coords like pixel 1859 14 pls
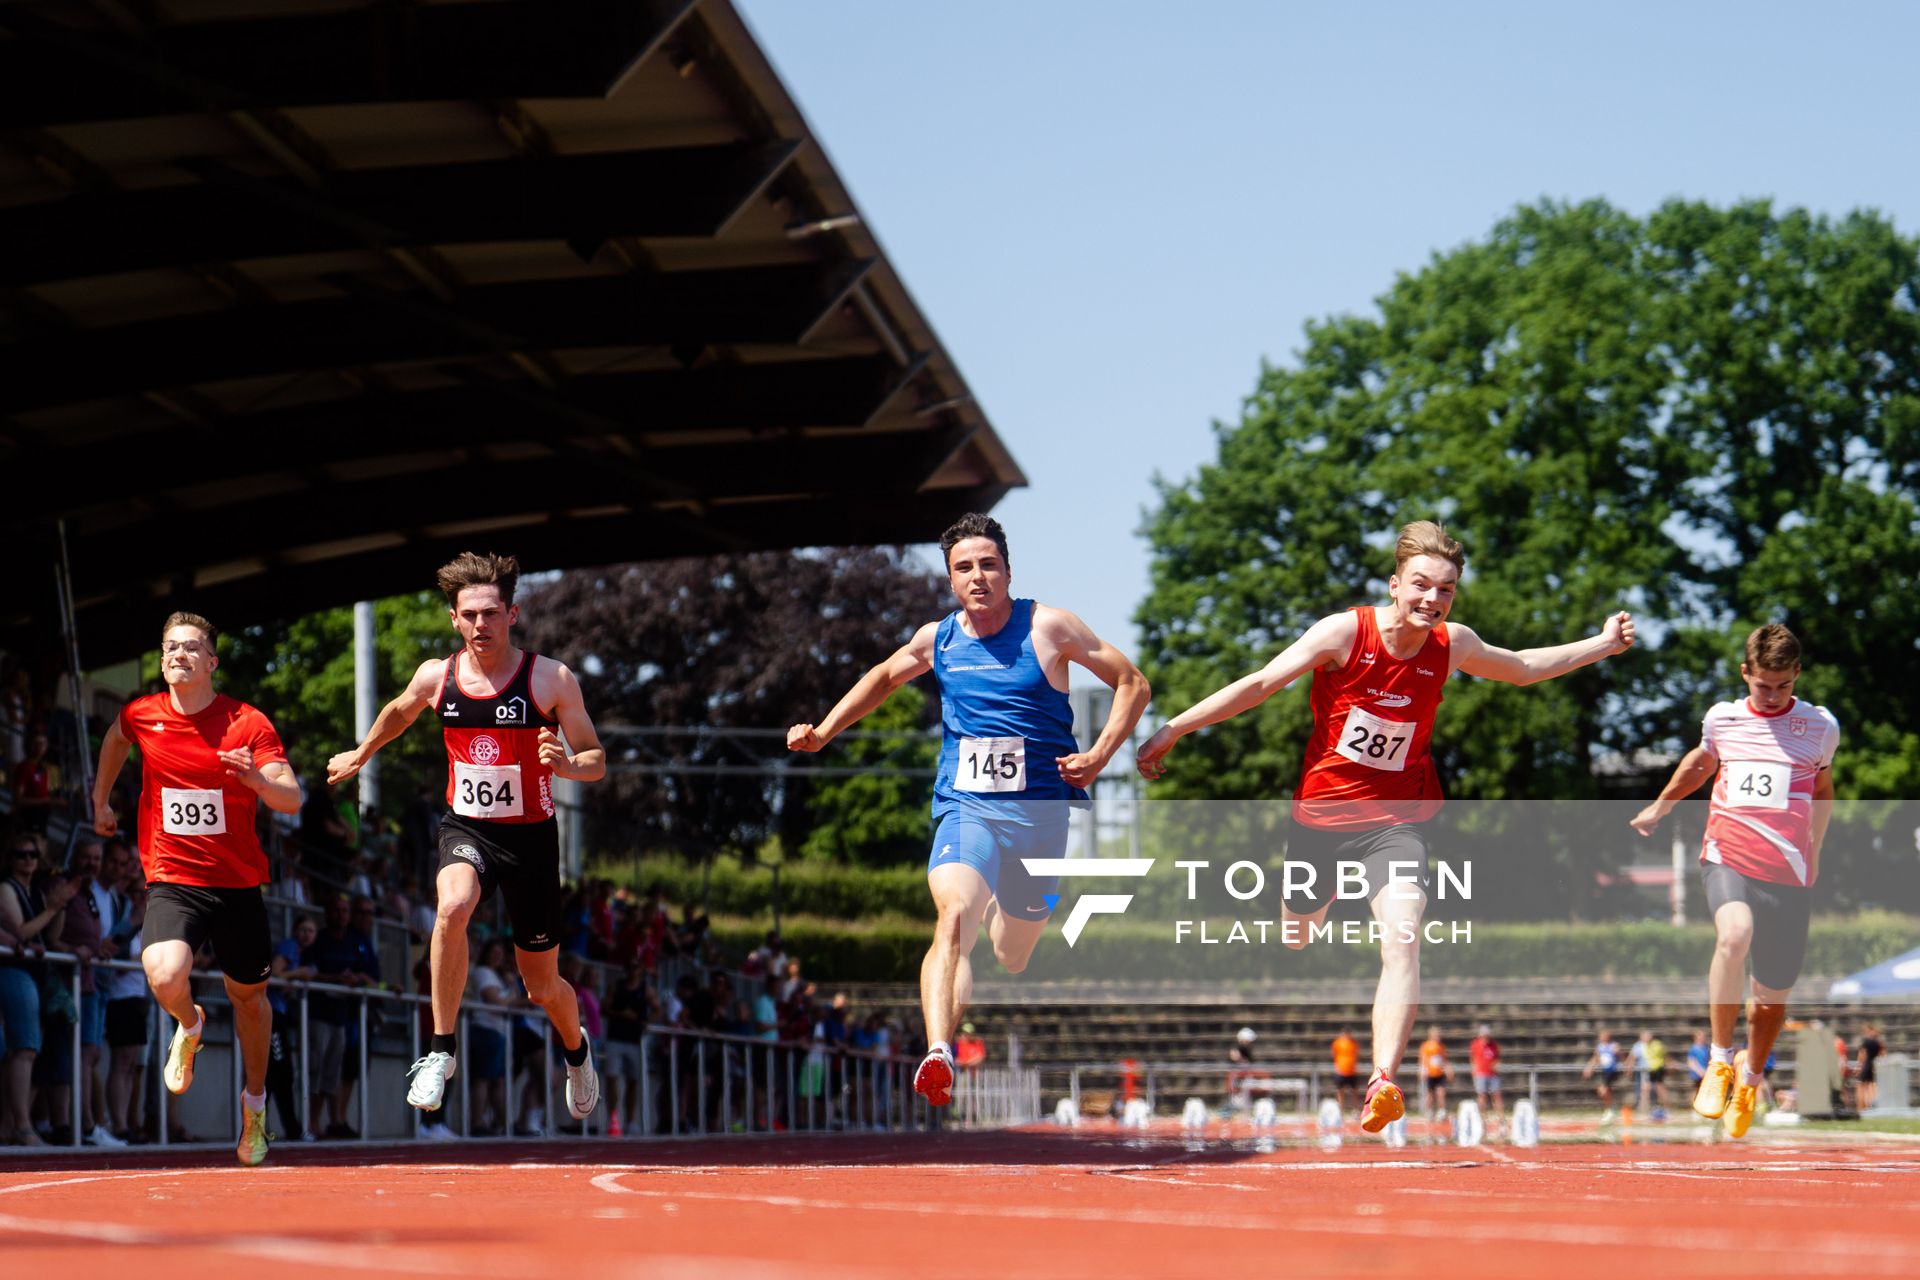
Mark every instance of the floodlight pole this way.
pixel 366 703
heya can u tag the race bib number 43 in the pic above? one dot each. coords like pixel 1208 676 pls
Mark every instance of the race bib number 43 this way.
pixel 192 813
pixel 992 764
pixel 486 790
pixel 1757 784
pixel 1376 743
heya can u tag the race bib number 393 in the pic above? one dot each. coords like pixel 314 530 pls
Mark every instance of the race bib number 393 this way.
pixel 486 790
pixel 992 764
pixel 192 813
pixel 1758 784
pixel 1375 742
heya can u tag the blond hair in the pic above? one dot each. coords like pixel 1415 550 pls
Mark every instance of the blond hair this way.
pixel 1427 538
pixel 471 570
pixel 181 618
pixel 1772 648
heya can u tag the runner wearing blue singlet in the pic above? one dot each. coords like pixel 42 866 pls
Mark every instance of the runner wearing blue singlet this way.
pixel 1009 767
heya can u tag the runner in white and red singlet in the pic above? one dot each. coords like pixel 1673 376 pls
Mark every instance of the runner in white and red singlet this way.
pixel 1368 782
pixel 1771 758
pixel 502 711
pixel 205 760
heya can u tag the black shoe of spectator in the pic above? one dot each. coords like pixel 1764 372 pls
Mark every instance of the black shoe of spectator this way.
pixel 342 1131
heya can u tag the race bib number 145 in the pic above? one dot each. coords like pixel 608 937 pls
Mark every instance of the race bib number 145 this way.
pixel 991 764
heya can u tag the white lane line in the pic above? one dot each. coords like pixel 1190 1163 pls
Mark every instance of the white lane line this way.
pixel 1848 1251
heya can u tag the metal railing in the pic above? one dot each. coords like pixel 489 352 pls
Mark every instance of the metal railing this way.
pixel 676 1082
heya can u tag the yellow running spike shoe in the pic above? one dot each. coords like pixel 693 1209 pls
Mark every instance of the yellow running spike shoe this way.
pixel 1383 1105
pixel 178 1073
pixel 1746 1097
pixel 1716 1088
pixel 253 1135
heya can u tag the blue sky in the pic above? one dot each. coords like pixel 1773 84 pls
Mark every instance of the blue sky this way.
pixel 1113 212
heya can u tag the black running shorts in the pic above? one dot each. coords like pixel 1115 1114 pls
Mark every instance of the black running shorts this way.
pixel 522 860
pixel 234 920
pixel 1376 850
pixel 1781 913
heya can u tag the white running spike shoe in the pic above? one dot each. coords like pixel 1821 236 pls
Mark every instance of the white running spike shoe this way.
pixel 429 1076
pixel 583 1084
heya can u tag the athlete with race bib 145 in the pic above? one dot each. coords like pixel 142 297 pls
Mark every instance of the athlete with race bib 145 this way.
pixel 502 712
pixel 1009 767
pixel 1367 781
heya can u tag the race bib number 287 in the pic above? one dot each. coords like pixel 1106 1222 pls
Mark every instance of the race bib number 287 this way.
pixel 1375 742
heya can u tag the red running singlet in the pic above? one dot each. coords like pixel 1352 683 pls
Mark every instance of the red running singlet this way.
pixel 493 749
pixel 1367 764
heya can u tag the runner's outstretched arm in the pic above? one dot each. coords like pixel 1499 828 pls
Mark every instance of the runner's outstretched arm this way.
pixel 1696 768
pixel 914 658
pixel 391 722
pixel 1325 641
pixel 1530 666
pixel 113 757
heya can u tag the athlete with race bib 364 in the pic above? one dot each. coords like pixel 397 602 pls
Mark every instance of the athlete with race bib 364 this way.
pixel 502 712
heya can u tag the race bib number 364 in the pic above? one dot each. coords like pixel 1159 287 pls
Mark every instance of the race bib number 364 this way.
pixel 486 791
pixel 992 764
pixel 1758 784
pixel 1374 742
pixel 192 813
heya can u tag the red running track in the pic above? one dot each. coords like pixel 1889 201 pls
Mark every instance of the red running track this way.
pixel 1032 1202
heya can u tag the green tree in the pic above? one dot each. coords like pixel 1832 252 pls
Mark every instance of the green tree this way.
pixel 302 677
pixel 872 818
pixel 1708 416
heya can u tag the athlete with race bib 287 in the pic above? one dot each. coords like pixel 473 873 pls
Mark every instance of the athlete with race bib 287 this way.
pixel 1009 767
pixel 502 712
pixel 1367 782
pixel 206 762
pixel 1770 757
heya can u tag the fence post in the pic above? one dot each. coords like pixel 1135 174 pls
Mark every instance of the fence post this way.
pixel 73 1068
pixel 365 1110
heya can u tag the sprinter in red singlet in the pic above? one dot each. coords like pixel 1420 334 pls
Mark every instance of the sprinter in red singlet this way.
pixel 503 712
pixel 206 762
pixel 1368 781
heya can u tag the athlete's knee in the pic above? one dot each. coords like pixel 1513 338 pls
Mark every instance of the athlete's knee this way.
pixel 167 972
pixel 951 928
pixel 1733 937
pixel 456 908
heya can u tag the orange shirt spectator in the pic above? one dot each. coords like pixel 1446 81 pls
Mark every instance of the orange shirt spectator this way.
pixel 1433 1059
pixel 1346 1056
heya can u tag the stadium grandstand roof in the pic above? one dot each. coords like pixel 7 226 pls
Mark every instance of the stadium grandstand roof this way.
pixel 303 296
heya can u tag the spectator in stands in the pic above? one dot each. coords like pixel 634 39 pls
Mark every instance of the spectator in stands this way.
pixel 1868 1087
pixel 85 934
pixel 969 1048
pixel 128 1000
pixel 1346 1070
pixel 487 1029
pixel 795 987
pixel 631 1009
pixel 1436 1072
pixel 33 787
pixel 32 920
pixel 767 958
pixel 290 964
pixel 16 703
pixel 1483 1060
pixel 292 882
pixel 361 922
pixel 339 956
pixel 1650 1056
pixel 1605 1061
